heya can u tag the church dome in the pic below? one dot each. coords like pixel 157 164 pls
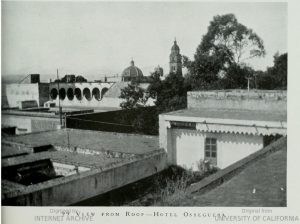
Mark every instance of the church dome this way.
pixel 131 72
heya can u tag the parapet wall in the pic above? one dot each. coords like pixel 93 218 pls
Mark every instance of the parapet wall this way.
pixel 75 188
pixel 266 100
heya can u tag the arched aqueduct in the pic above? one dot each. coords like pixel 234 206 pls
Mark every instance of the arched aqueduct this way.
pixel 78 94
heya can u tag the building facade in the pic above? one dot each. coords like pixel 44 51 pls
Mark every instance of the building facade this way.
pixel 30 90
pixel 228 126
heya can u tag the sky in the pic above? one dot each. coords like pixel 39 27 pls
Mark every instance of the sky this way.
pixel 100 38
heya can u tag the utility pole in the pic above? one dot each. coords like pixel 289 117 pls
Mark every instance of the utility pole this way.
pixel 248 78
pixel 59 107
pixel 68 135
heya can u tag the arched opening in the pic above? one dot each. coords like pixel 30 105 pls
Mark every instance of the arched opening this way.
pixel 77 93
pixel 96 93
pixel 87 93
pixel 53 93
pixel 70 94
pixel 62 93
pixel 103 91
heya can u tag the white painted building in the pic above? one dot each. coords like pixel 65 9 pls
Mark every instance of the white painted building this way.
pixel 222 135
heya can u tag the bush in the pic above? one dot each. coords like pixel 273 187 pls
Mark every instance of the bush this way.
pixel 171 191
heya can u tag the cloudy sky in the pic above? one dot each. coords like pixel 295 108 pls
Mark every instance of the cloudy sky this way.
pixel 97 38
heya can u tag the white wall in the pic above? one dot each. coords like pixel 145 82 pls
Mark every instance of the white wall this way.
pixel 27 124
pixel 188 147
pixel 19 122
pixel 21 92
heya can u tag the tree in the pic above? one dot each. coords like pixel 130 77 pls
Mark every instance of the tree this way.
pixel 80 79
pixel 133 96
pixel 236 77
pixel 71 79
pixel 279 70
pixel 170 94
pixel 276 76
pixel 230 41
pixel 225 47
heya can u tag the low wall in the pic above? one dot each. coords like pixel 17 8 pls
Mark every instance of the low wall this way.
pixel 266 100
pixel 75 188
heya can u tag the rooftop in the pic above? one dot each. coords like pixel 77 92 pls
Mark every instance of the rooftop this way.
pixel 93 140
pixel 232 114
pixel 262 183
pixel 52 112
pixel 9 151
pixel 65 157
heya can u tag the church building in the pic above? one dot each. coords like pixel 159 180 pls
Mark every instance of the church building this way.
pixel 175 59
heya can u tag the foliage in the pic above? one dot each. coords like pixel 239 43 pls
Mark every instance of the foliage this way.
pixel 230 41
pixel 171 191
pixel 143 120
pixel 236 77
pixel 134 97
pixel 219 58
pixel 80 78
pixel 170 94
pixel 276 76
pixel 71 79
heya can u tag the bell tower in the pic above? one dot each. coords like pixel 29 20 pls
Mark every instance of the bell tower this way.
pixel 175 59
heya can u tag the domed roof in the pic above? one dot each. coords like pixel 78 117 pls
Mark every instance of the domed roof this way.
pixel 175 47
pixel 132 71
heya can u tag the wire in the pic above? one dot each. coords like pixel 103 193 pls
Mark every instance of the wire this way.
pixel 101 122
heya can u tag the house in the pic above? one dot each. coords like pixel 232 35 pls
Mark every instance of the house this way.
pixel 222 126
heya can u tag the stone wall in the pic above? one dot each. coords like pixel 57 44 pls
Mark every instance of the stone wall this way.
pixel 267 100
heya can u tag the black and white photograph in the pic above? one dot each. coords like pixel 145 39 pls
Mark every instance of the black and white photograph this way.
pixel 145 104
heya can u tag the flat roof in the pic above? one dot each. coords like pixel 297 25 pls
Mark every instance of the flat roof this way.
pixel 10 151
pixel 94 140
pixel 232 114
pixel 64 157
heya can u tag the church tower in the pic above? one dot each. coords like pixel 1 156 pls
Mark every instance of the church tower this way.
pixel 175 59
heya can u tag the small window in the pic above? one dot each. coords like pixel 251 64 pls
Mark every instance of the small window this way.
pixel 183 125
pixel 211 150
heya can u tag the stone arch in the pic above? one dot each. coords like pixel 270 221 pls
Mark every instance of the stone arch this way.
pixel 103 91
pixel 62 93
pixel 53 93
pixel 96 94
pixel 87 93
pixel 70 94
pixel 77 93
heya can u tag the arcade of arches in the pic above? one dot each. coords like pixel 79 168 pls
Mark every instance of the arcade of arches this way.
pixel 77 93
